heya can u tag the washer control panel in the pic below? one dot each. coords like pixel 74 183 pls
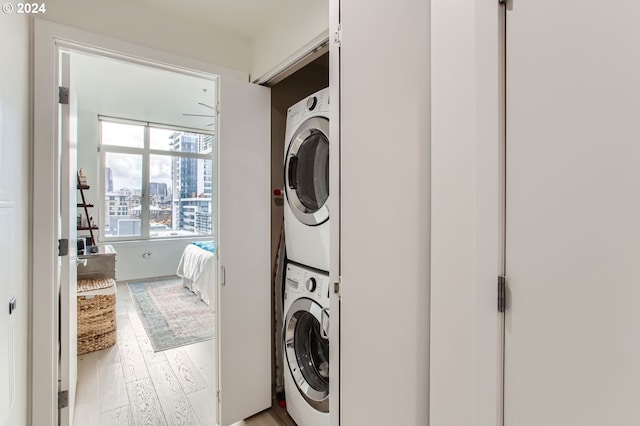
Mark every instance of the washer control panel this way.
pixel 313 284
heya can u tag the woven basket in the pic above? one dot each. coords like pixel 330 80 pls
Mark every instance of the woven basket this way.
pixel 96 315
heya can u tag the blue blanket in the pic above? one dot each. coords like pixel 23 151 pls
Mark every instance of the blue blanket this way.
pixel 206 245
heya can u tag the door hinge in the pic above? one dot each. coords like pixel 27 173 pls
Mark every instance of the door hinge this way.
pixel 502 293
pixel 63 95
pixel 337 35
pixel 63 247
pixel 336 286
pixel 63 399
pixel 223 280
pixel 218 395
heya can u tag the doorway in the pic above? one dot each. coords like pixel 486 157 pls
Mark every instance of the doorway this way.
pixel 147 147
pixel 246 149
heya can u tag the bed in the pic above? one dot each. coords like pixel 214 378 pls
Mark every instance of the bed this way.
pixel 198 269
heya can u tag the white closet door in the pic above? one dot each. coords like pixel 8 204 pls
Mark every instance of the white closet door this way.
pixel 244 293
pixel 572 345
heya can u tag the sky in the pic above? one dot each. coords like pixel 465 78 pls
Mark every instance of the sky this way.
pixel 127 168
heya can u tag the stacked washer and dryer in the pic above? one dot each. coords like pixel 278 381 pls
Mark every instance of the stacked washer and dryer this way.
pixel 306 289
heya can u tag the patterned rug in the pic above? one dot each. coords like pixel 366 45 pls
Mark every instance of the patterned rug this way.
pixel 172 315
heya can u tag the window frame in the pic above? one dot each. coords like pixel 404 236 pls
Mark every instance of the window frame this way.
pixel 146 152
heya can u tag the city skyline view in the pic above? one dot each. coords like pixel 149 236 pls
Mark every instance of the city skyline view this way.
pixel 179 184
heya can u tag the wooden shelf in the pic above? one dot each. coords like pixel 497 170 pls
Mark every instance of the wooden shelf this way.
pixel 85 206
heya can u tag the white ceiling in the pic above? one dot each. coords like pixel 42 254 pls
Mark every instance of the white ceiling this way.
pixel 124 90
pixel 243 18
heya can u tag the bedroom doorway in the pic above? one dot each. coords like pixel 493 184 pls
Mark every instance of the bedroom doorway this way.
pixel 242 318
pixel 147 149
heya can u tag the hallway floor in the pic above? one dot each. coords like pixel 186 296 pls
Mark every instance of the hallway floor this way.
pixel 129 384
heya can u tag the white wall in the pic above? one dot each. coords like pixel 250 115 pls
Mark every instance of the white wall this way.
pixel 133 262
pixel 465 222
pixel 15 143
pixel 385 181
pixel 137 23
pixel 299 28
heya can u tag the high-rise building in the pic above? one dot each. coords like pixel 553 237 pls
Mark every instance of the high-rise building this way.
pixel 192 183
pixel 184 169
pixel 158 190
pixel 108 179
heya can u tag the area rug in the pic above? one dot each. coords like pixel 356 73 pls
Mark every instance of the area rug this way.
pixel 171 314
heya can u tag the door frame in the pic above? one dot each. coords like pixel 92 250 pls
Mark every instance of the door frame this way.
pixel 49 37
pixel 335 197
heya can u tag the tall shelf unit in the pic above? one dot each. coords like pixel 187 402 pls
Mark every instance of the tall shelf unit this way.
pixel 89 225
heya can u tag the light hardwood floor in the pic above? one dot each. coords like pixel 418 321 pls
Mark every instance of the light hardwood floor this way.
pixel 129 384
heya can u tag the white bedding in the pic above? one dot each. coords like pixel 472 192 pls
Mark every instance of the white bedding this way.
pixel 198 269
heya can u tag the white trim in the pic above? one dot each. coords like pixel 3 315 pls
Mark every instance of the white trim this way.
pixel 155 125
pixel 48 39
pixel 44 374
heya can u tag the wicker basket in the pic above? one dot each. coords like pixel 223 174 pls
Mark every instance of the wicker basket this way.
pixel 96 314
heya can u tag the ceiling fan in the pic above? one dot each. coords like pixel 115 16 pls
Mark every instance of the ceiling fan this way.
pixel 202 115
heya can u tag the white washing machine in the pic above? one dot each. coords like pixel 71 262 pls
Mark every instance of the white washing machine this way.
pixel 306 345
pixel 306 174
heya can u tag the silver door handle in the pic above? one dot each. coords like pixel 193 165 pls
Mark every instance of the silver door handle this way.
pixel 82 262
pixel 324 325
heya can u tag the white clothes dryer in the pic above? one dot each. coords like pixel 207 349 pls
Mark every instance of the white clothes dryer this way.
pixel 306 345
pixel 306 174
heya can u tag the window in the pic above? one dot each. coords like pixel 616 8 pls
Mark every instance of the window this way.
pixel 158 181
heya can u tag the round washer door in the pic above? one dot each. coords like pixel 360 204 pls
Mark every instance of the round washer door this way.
pixel 308 352
pixel 307 171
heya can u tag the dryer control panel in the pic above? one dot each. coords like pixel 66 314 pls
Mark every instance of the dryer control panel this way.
pixel 316 104
pixel 312 283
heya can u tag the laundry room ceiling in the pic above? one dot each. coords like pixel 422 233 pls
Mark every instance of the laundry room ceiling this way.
pixel 243 18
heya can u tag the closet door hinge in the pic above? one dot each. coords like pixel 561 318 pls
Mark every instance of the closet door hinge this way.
pixel 502 293
pixel 63 399
pixel 218 396
pixel 337 35
pixel 63 95
pixel 63 247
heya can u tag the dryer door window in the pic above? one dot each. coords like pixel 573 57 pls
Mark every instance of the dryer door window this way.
pixel 308 352
pixel 307 171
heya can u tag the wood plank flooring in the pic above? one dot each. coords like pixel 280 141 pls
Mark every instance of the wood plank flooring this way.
pixel 130 385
